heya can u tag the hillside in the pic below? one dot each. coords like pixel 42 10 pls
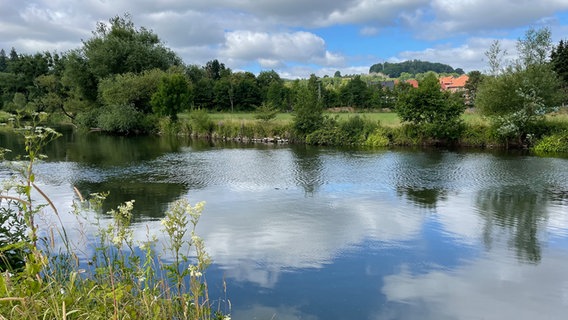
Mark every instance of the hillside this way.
pixel 413 67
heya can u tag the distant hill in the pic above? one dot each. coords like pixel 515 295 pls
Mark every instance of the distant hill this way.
pixel 394 70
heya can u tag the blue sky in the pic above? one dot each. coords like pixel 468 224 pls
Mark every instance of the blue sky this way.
pixel 294 37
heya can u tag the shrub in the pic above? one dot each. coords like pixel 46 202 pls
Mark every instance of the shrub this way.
pixel 555 143
pixel 200 122
pixel 378 138
pixel 121 119
pixel 124 279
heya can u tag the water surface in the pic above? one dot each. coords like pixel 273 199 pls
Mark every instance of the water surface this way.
pixel 319 233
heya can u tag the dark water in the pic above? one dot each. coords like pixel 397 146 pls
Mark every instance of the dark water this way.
pixel 313 233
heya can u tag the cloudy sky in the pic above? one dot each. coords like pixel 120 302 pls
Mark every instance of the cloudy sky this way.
pixel 294 37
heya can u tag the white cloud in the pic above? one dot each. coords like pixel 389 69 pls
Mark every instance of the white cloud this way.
pixel 281 34
pixel 448 17
pixel 468 56
pixel 489 288
pixel 278 48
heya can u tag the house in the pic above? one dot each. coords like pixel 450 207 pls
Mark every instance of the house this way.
pixel 454 84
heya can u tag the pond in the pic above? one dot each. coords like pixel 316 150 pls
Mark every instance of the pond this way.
pixel 299 232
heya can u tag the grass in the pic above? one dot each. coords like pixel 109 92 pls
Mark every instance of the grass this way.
pixel 386 118
pixel 41 276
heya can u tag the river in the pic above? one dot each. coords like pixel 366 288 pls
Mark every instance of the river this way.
pixel 321 233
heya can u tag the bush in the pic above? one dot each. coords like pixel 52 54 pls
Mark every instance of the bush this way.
pixel 122 119
pixel 87 119
pixel 378 138
pixel 478 135
pixel 123 279
pixel 200 122
pixel 556 143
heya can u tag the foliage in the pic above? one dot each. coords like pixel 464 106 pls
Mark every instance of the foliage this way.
pixel 266 112
pixel 559 63
pixel 355 94
pixel 433 112
pixel 378 138
pixel 200 122
pixel 394 70
pixel 353 131
pixel 134 89
pixel 555 143
pixel 172 96
pixel 119 47
pixel 495 55
pixel 524 92
pixel 308 109
pixel 475 78
pixel 123 119
pixel 123 279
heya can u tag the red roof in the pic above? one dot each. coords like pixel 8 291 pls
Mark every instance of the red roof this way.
pixel 451 83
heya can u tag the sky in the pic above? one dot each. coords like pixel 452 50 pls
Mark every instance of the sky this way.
pixel 294 37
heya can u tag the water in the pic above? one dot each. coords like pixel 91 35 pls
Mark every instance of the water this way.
pixel 321 233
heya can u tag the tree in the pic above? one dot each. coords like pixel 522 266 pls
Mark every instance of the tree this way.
pixel 308 109
pixel 471 86
pixel 173 95
pixel 135 89
pixel 3 61
pixel 495 55
pixel 277 95
pixel 337 74
pixel 246 92
pixel 265 79
pixel 434 112
pixel 355 93
pixel 523 92
pixel 559 61
pixel 535 47
pixel 224 94
pixel 204 93
pixel 120 48
pixel 215 70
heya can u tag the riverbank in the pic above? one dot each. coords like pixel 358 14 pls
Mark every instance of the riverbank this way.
pixel 372 129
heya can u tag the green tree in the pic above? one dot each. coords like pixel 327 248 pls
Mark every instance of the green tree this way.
pixel 308 109
pixel 134 89
pixel 215 70
pixel 471 86
pixel 173 95
pixel 120 47
pixel 278 95
pixel 3 61
pixel 435 113
pixel 559 61
pixel 356 93
pixel 204 97
pixel 224 94
pixel 495 55
pixel 247 93
pixel 265 79
pixel 524 92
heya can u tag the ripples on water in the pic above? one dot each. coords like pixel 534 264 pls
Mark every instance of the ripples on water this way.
pixel 329 234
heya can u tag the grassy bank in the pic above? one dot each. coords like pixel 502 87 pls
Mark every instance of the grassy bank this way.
pixel 378 129
pixel 102 274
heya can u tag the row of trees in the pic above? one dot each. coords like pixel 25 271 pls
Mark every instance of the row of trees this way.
pixel 411 68
pixel 123 79
pixel 516 96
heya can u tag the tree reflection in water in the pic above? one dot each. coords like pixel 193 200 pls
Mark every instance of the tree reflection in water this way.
pixel 518 210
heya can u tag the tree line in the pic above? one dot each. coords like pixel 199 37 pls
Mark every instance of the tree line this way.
pixel 411 67
pixel 124 79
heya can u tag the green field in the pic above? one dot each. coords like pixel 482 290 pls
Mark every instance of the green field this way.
pixel 388 119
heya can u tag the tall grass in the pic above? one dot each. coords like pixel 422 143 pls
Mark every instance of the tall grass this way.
pixel 45 275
